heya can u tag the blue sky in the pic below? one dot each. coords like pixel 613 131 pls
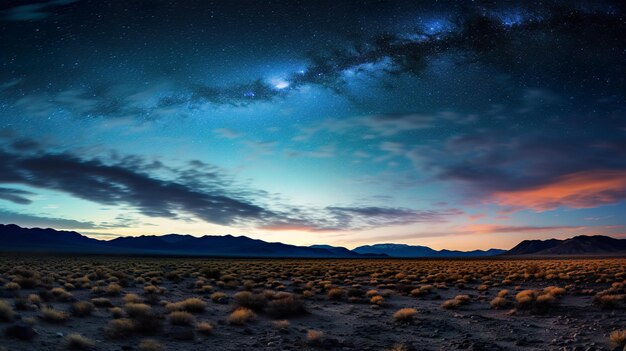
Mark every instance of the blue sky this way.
pixel 449 125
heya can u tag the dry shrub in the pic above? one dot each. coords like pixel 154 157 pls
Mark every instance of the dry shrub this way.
pixel 218 296
pixel 51 315
pixel 82 308
pixel 204 328
pixel 286 306
pixel 500 302
pixel 525 298
pixel 503 293
pixel 193 304
pixel 451 304
pixel 463 299
pixel 618 337
pixel 255 302
pixel 554 291
pixel 34 299
pixel 336 293
pixel 6 312
pixel 405 315
pixel 132 298
pixel 182 318
pixel 371 293
pixel 315 337
pixel 113 289
pixel 532 300
pixel 241 316
pixel 377 300
pixel 282 325
pixel 607 300
pixel 137 309
pixel 76 341
pixel 150 345
pixel 117 312
pixel 422 290
pixel 61 295
pixel 13 286
pixel 120 328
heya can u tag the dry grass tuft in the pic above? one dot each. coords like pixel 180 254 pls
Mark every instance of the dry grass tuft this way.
pixel 499 302
pixel 618 337
pixel 76 341
pixel 286 305
pixel 241 316
pixel 117 312
pixel 377 300
pixel 120 328
pixel 132 298
pixel 405 315
pixel 137 309
pixel 205 328
pixel 6 311
pixel 150 345
pixel 218 296
pixel 315 337
pixel 193 304
pixel 182 318
pixel 255 302
pixel 336 293
pixel 82 308
pixel 51 315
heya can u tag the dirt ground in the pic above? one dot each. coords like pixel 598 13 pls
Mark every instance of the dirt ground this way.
pixel 572 321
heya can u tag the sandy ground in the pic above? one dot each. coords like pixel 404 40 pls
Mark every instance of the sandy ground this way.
pixel 575 323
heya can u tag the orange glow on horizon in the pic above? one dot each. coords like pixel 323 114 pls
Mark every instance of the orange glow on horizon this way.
pixel 577 190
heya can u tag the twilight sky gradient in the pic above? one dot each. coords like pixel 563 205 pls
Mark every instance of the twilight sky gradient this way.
pixel 448 124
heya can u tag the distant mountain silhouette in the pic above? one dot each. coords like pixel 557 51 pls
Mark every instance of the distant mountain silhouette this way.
pixel 579 245
pixel 406 251
pixel 14 238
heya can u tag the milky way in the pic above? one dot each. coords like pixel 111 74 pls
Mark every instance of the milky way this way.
pixel 465 125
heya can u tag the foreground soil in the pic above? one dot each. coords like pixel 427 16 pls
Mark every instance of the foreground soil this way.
pixel 571 304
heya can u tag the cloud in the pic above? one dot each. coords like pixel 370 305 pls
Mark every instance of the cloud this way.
pixel 27 220
pixel 15 195
pixel 35 11
pixel 342 218
pixel 118 184
pixel 503 229
pixel 227 133
pixel 478 229
pixel 195 189
pixel 577 190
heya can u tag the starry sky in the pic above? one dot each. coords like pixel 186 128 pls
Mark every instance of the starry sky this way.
pixel 459 125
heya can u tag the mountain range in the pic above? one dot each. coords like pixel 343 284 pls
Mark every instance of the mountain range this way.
pixel 14 238
pixel 403 250
pixel 579 245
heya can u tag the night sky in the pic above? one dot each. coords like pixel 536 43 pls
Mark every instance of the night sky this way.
pixel 448 124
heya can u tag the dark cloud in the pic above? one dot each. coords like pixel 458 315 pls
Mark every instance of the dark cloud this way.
pixel 34 11
pixel 114 184
pixel 15 195
pixel 27 220
pixel 373 216
pixel 157 190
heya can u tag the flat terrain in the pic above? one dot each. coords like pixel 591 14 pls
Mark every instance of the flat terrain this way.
pixel 117 303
